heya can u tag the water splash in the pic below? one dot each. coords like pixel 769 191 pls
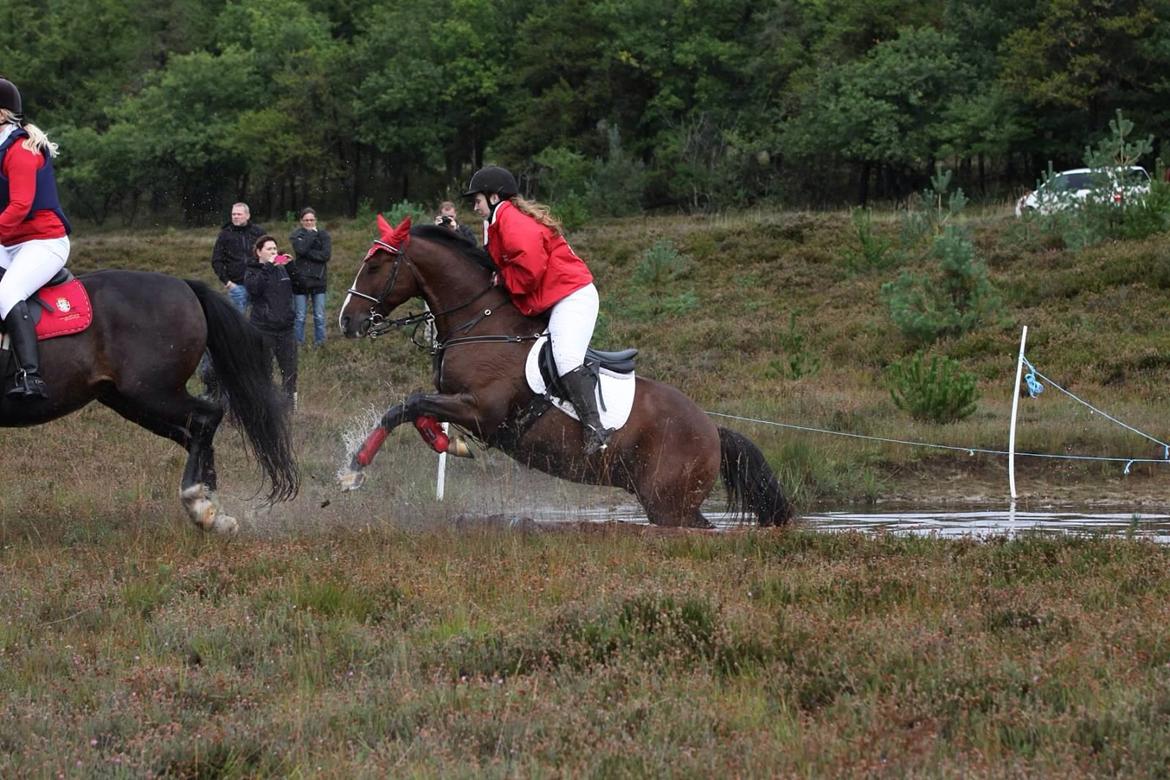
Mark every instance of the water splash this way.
pixel 353 433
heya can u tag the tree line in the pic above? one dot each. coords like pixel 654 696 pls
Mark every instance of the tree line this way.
pixel 170 109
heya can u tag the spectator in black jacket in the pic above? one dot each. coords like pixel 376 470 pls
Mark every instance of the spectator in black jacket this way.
pixel 313 248
pixel 448 218
pixel 233 251
pixel 271 293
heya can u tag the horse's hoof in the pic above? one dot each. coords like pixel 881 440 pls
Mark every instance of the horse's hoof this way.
pixel 225 524
pixel 458 448
pixel 351 479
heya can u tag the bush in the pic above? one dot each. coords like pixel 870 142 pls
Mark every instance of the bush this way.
pixel 658 274
pixel 873 250
pixel 956 299
pixel 937 392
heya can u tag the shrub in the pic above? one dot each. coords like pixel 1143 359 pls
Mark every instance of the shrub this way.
pixel 937 392
pixel 799 360
pixel 874 251
pixel 657 276
pixel 952 302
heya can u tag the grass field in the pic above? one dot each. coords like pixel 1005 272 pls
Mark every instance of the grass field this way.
pixel 380 633
pixel 141 650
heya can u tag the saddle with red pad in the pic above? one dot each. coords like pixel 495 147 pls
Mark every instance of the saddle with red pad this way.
pixel 60 308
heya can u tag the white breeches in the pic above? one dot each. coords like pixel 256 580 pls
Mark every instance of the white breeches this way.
pixel 570 325
pixel 27 267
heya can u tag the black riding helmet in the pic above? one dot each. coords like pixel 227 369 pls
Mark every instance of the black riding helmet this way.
pixel 492 179
pixel 10 97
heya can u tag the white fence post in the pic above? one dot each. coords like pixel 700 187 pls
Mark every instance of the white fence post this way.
pixel 441 478
pixel 1015 408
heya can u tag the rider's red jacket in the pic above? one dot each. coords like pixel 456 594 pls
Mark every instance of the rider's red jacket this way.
pixel 538 266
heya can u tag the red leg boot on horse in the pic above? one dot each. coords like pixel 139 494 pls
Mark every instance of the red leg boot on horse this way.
pixel 580 384
pixel 22 334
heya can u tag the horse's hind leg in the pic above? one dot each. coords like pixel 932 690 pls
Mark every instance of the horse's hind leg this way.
pixel 199 479
pixel 190 422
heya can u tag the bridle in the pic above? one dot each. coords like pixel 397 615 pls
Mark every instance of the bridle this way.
pixel 380 324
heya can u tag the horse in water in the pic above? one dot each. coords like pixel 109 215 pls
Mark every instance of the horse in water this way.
pixel 145 341
pixel 668 453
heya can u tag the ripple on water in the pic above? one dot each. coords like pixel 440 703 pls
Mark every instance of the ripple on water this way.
pixel 980 523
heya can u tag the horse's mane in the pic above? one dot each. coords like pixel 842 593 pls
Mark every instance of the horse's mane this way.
pixel 455 242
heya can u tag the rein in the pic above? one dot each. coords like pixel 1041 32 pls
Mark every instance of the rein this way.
pixel 381 325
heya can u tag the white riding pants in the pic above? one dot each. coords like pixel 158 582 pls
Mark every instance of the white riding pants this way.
pixel 570 325
pixel 27 267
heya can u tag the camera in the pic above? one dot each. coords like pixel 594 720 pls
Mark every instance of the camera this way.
pixel 446 220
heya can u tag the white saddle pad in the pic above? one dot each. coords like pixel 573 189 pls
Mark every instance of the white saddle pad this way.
pixel 617 390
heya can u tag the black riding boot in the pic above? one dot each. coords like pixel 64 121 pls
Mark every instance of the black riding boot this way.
pixel 580 384
pixel 22 337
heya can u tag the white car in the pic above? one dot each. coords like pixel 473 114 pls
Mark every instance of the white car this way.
pixel 1074 187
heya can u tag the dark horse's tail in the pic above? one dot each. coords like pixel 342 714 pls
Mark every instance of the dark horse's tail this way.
pixel 245 376
pixel 751 484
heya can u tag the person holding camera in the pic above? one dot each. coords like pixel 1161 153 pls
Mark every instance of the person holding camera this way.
pixel 313 247
pixel 447 218
pixel 270 291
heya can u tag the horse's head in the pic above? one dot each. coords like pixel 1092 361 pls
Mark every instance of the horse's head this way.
pixel 429 262
pixel 386 279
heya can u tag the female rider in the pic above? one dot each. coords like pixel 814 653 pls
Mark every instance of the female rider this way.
pixel 544 275
pixel 34 233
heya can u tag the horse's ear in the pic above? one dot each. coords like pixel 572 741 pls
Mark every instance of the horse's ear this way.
pixel 397 237
pixel 401 233
pixel 384 228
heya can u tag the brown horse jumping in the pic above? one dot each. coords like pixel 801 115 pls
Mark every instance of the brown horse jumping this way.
pixel 148 333
pixel 668 454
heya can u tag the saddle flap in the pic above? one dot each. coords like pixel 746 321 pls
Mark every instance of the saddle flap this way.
pixel 615 389
pixel 67 309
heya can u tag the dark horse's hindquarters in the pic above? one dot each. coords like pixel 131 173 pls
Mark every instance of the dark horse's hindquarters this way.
pixel 668 454
pixel 148 333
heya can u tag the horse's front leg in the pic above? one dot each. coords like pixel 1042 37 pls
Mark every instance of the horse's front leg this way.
pixel 458 408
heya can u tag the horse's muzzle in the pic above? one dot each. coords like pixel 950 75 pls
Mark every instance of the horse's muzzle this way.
pixel 353 330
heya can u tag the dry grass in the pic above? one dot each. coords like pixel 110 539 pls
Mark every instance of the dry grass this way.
pixel 591 651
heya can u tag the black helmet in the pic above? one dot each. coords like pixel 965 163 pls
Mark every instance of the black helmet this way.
pixel 10 97
pixel 492 179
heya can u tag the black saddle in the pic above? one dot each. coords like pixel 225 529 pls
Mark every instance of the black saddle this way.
pixel 620 362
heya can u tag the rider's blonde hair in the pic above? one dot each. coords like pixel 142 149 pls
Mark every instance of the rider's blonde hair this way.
pixel 37 141
pixel 539 212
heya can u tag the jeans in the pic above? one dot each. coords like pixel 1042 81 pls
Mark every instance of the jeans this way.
pixel 239 296
pixel 318 304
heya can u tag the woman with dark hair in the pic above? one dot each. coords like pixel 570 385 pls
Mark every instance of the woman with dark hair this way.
pixel 544 276
pixel 270 291
pixel 312 247
pixel 34 233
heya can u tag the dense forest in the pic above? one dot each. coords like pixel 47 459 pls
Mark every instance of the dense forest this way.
pixel 171 109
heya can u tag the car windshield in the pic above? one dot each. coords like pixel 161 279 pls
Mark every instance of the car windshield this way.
pixel 1087 180
pixel 1134 176
pixel 1071 181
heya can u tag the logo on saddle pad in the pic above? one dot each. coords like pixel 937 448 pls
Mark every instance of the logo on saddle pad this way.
pixel 60 310
pixel 615 391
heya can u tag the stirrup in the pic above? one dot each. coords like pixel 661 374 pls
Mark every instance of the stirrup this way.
pixel 596 440
pixel 26 385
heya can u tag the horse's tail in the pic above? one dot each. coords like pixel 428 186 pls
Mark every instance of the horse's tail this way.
pixel 244 373
pixel 751 484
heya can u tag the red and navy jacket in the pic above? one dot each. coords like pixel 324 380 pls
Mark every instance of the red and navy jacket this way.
pixel 538 266
pixel 29 207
